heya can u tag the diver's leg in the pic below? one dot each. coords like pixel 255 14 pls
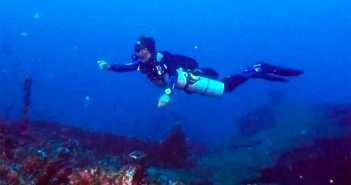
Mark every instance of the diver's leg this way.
pixel 262 70
pixel 206 72
pixel 231 82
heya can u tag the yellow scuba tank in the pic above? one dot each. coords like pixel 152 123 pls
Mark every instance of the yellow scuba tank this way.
pixel 199 84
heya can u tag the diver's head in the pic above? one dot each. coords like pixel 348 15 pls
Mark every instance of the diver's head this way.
pixel 145 42
pixel 144 48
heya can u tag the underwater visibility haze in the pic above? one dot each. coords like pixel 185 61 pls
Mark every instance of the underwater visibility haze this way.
pixel 57 105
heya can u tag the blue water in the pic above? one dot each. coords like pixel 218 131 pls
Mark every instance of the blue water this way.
pixel 57 43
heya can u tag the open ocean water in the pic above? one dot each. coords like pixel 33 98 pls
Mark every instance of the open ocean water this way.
pixel 263 132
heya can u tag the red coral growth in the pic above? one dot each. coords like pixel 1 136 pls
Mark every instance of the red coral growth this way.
pixel 31 164
pixel 54 154
pixel 81 178
pixel 131 174
pixel 201 183
pixel 12 178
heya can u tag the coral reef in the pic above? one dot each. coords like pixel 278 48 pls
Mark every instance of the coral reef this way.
pixel 297 144
pixel 50 153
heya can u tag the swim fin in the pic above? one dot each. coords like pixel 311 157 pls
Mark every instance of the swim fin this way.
pixel 270 72
pixel 281 71
pixel 269 77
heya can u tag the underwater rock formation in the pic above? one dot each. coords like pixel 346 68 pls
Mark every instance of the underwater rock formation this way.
pixel 50 153
pixel 328 161
pixel 255 121
pixel 172 152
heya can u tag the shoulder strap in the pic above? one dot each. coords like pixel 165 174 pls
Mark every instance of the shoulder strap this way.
pixel 159 57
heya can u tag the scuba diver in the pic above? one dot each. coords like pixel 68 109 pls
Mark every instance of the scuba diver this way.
pixel 171 71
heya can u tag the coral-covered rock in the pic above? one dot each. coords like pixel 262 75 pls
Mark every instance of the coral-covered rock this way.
pixel 50 153
pixel 131 174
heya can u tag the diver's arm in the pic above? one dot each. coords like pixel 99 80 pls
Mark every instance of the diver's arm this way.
pixel 170 78
pixel 170 84
pixel 133 66
pixel 168 91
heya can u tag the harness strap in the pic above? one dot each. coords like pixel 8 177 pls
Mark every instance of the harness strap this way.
pixel 190 79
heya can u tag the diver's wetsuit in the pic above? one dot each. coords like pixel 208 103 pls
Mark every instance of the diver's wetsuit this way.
pixel 164 63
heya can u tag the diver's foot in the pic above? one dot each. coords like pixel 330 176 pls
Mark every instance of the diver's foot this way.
pixel 281 71
pixel 270 72
pixel 268 68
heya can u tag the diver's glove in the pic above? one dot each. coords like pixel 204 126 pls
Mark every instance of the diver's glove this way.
pixel 163 101
pixel 103 64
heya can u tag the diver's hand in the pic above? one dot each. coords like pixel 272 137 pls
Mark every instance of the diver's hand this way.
pixel 163 101
pixel 103 64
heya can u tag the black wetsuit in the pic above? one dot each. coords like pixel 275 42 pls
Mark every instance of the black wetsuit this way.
pixel 163 64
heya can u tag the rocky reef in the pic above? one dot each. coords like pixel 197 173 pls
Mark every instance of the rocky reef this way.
pixel 50 153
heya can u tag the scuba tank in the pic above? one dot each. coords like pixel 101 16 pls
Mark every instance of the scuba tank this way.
pixel 199 84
